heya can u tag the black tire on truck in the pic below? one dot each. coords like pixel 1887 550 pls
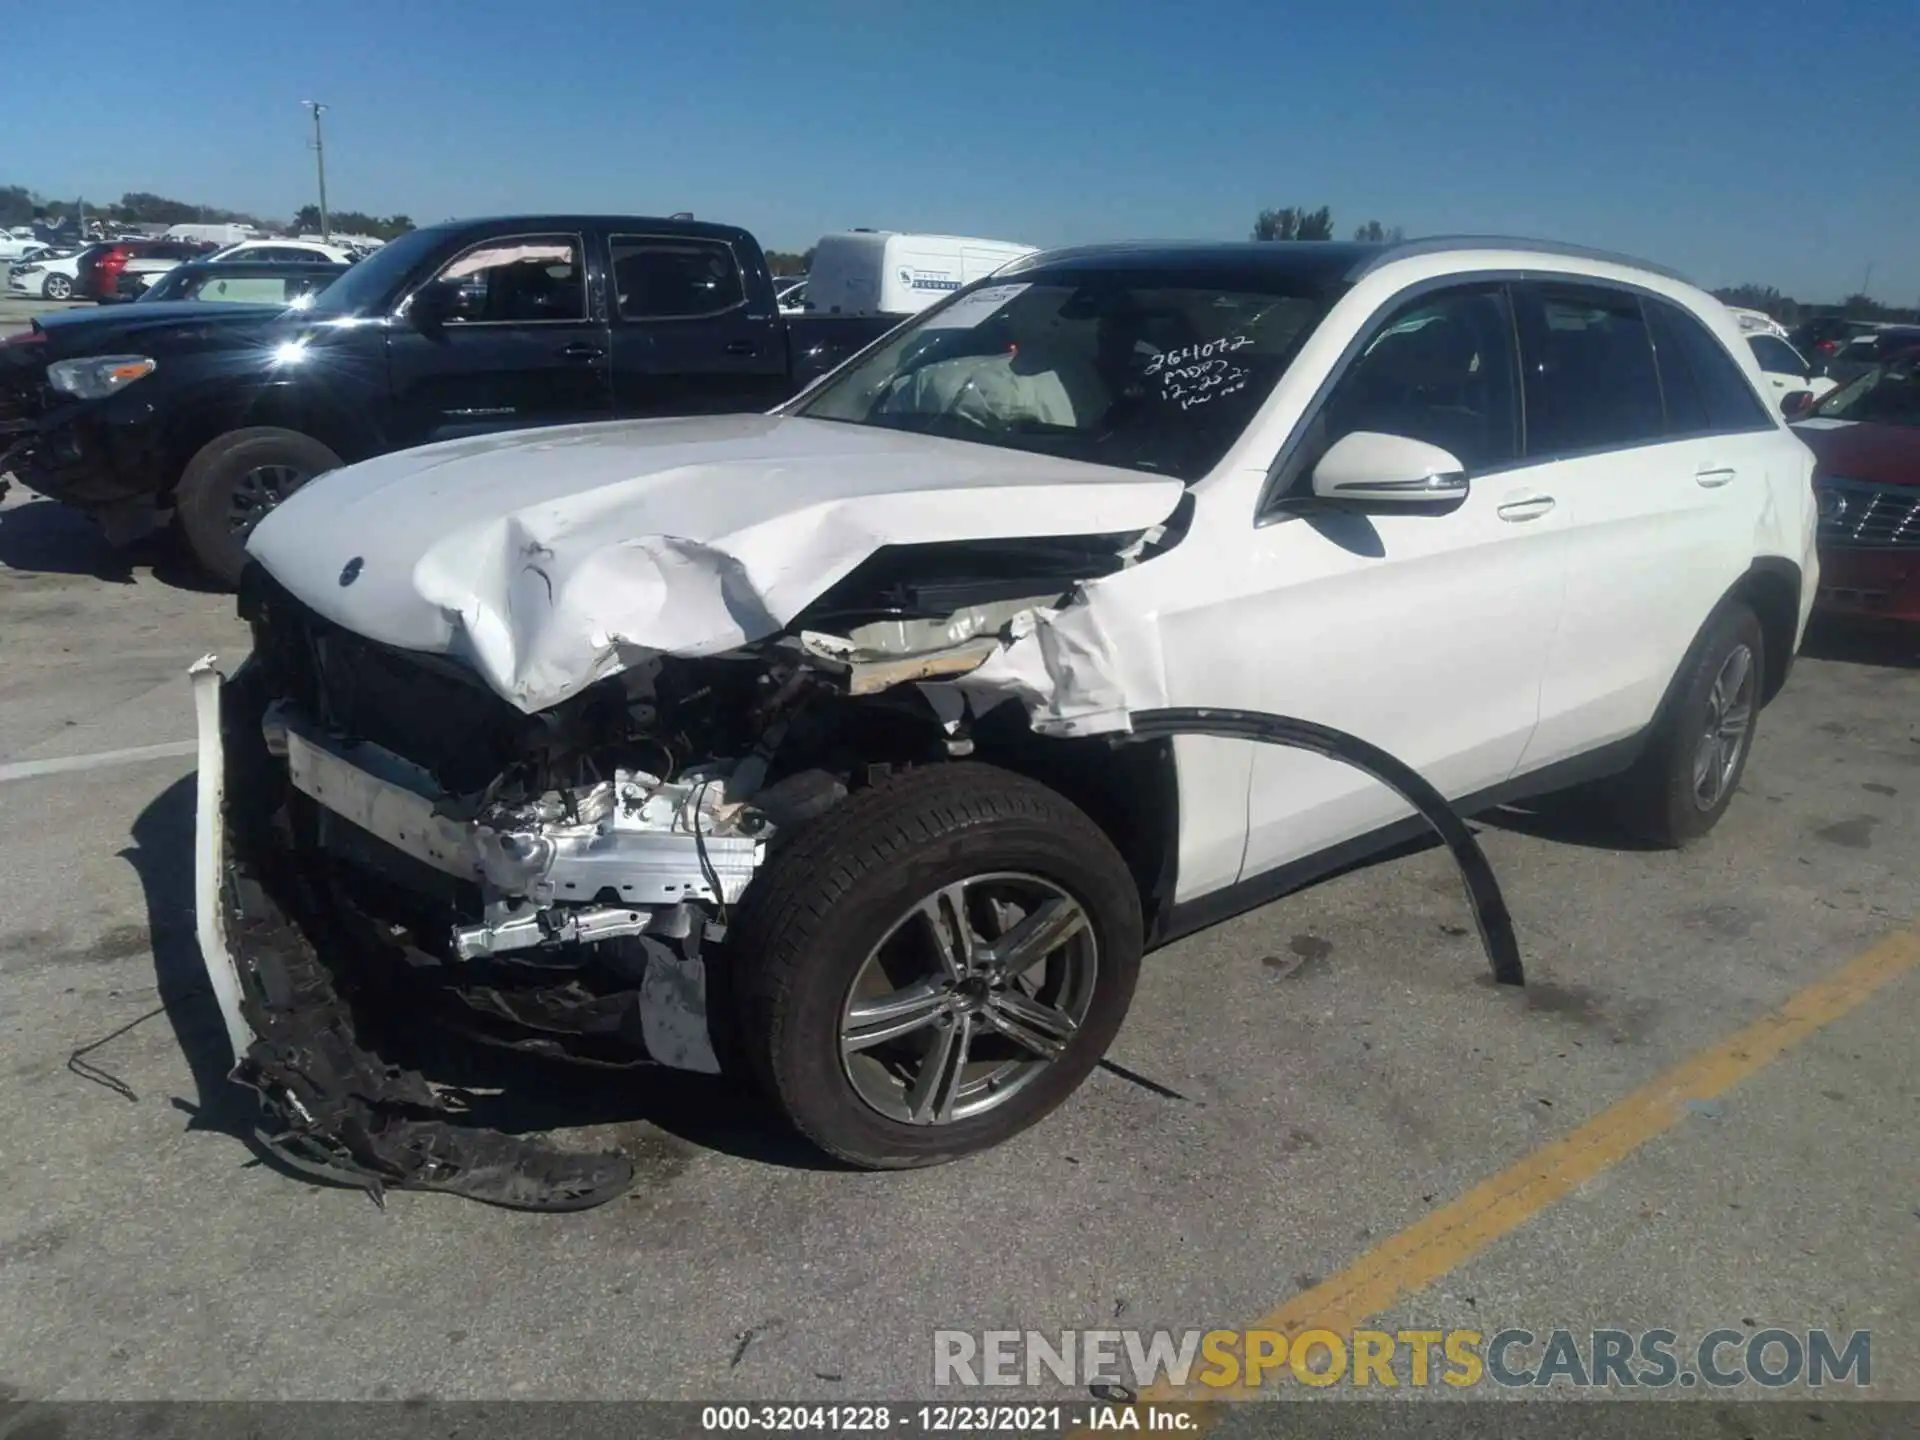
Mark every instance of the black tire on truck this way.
pixel 932 966
pixel 233 481
pixel 1678 790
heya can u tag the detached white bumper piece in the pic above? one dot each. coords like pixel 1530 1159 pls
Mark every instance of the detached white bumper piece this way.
pixel 209 856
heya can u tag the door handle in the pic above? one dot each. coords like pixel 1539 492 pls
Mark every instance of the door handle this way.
pixel 742 347
pixel 1712 478
pixel 581 350
pixel 1529 507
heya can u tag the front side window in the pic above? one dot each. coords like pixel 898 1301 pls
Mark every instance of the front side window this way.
pixel 1158 371
pixel 670 278
pixel 1590 377
pixel 1442 370
pixel 516 280
pixel 1777 357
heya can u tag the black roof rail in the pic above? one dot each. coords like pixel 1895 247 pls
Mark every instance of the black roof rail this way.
pixel 1442 244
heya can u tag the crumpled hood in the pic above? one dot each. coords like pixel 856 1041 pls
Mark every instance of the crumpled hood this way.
pixel 549 559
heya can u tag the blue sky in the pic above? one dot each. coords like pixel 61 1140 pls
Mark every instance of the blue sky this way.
pixel 1759 140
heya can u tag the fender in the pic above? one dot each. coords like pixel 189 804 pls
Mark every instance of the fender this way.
pixel 226 398
pixel 1490 914
pixel 1771 589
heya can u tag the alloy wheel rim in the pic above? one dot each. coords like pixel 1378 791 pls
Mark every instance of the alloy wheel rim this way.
pixel 1728 723
pixel 257 492
pixel 971 996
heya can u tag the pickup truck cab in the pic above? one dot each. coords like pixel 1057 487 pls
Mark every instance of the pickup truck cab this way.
pixel 143 413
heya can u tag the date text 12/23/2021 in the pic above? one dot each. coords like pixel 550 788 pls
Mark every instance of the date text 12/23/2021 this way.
pixel 944 1419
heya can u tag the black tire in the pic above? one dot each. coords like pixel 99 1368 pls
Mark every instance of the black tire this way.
pixel 56 287
pixel 826 898
pixel 214 491
pixel 1660 799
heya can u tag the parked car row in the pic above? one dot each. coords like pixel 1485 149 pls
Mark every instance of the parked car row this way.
pixel 115 270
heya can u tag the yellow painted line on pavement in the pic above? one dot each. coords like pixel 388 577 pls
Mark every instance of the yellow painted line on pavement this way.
pixel 1455 1233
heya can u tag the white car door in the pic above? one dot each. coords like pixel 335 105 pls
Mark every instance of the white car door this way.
pixel 1660 446
pixel 1425 634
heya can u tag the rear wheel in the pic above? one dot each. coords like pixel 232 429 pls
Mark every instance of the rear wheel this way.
pixel 57 287
pixel 1682 785
pixel 934 965
pixel 231 485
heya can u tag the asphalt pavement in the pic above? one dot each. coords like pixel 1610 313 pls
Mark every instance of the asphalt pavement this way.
pixel 1320 1110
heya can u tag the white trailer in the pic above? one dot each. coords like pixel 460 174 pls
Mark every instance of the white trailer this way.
pixel 883 272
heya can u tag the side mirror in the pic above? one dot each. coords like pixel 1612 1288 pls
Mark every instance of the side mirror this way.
pixel 1367 470
pixel 433 304
pixel 1796 402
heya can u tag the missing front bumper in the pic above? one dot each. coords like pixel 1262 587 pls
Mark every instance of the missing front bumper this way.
pixel 334 1107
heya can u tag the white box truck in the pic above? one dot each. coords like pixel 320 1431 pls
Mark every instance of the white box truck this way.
pixel 883 272
pixel 211 234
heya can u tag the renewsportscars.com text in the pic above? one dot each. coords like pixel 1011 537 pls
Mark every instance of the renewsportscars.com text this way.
pixel 1249 1359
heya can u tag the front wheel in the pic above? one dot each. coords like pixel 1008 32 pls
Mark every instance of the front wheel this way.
pixel 1682 785
pixel 57 287
pixel 933 966
pixel 231 484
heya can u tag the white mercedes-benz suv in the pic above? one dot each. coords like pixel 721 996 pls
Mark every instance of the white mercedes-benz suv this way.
pixel 864 746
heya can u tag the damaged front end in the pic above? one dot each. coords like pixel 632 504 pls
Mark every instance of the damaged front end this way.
pixel 386 842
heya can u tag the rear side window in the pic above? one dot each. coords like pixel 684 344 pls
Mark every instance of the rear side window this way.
pixel 669 278
pixel 1590 378
pixel 1706 388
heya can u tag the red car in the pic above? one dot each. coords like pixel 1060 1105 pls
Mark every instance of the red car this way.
pixel 1866 437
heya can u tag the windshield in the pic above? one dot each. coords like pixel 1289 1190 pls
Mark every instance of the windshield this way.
pixel 190 282
pixel 372 280
pixel 1142 370
pixel 1888 394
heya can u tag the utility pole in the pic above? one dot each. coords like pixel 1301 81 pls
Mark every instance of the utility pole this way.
pixel 320 163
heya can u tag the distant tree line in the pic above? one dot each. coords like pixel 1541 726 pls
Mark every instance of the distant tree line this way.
pixel 306 221
pixel 1296 222
pixel 786 262
pixel 1789 311
pixel 21 206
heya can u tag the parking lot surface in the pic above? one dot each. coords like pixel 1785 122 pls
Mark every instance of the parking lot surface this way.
pixel 1296 1093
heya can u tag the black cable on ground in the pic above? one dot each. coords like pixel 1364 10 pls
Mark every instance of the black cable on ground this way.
pixel 1490 914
